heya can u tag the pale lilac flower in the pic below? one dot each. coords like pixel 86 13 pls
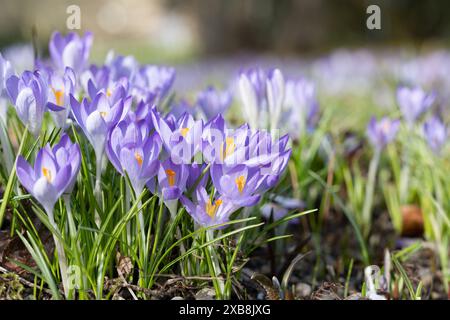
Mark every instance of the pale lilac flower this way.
pixel 29 95
pixel 133 149
pixel 53 174
pixel 70 50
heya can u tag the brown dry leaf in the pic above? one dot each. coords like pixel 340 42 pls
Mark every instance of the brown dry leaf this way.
pixel 412 221
pixel 124 265
pixel 267 284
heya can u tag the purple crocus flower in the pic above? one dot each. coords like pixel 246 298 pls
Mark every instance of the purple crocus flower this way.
pixel 96 118
pixel 237 184
pixel 153 82
pixel 382 132
pixel 133 149
pixel 70 51
pixel 54 172
pixel 436 133
pixel 29 95
pixel 172 179
pixel 413 102
pixel 59 90
pixel 208 211
pixel 221 144
pixel 213 102
pixel 182 140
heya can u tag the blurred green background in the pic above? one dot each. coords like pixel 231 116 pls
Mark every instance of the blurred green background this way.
pixel 182 30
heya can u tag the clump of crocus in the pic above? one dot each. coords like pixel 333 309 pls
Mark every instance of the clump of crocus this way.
pixel 213 102
pixel 54 172
pixel 70 50
pixel 413 102
pixel 436 133
pixel 29 95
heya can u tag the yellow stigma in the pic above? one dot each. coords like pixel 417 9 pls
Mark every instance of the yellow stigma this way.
pixel 47 174
pixel 138 158
pixel 230 146
pixel 103 113
pixel 59 97
pixel 108 93
pixel 184 132
pixel 240 183
pixel 211 209
pixel 171 177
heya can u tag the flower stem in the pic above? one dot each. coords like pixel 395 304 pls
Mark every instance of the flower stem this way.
pixel 370 187
pixel 60 251
pixel 215 264
pixel 98 187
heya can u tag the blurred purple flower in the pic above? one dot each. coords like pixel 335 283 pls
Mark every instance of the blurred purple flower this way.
pixel 413 102
pixel 6 71
pixel 21 57
pixel 275 96
pixel 54 172
pixel 153 83
pixel 280 207
pixel 70 51
pixel 182 107
pixel 29 95
pixel 213 102
pixel 301 106
pixel 252 88
pixel 436 133
pixel 382 132
pixel 122 67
